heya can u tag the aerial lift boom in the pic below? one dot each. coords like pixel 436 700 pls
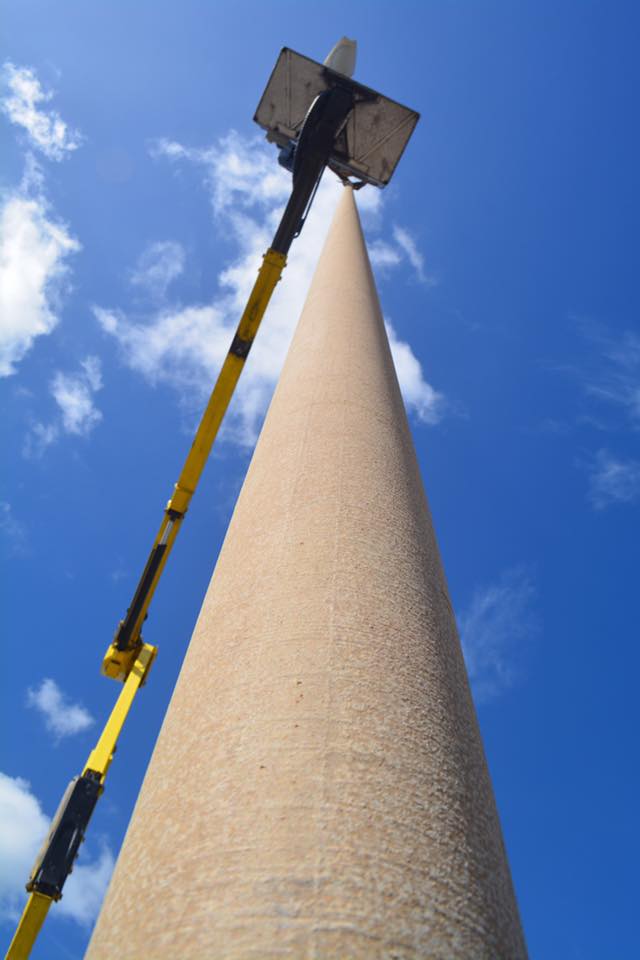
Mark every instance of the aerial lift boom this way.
pixel 316 122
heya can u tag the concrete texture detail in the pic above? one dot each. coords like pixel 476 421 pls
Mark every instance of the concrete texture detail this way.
pixel 319 788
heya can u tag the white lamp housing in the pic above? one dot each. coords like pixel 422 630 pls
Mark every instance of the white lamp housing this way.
pixel 342 58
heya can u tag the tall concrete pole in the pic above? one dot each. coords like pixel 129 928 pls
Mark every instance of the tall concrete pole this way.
pixel 319 787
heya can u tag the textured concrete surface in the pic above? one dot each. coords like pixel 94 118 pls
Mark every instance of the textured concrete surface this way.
pixel 319 787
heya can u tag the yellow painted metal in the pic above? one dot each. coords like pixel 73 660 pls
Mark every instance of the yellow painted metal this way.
pixel 101 756
pixel 272 266
pixel 132 665
pixel 33 915
pixel 99 761
pixel 117 663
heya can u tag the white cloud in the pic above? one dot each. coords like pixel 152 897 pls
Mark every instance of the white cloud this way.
pixel 22 104
pixel 494 630
pixel 12 529
pixel 383 255
pixel 23 827
pixel 613 374
pixel 61 717
pixel 428 405
pixel 184 346
pixel 613 480
pixel 33 268
pixel 74 395
pixel 619 383
pixel 410 249
pixel 610 375
pixel 78 414
pixel 158 267
pixel 388 254
pixel 85 889
pixel 240 174
pixel 38 439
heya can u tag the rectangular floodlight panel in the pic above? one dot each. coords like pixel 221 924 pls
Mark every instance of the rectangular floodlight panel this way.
pixel 374 136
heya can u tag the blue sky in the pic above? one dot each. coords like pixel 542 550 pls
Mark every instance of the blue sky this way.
pixel 136 198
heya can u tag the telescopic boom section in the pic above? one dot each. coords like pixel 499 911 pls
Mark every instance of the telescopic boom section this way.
pixel 122 653
pixel 319 117
pixel 128 658
pixel 326 116
pixel 55 860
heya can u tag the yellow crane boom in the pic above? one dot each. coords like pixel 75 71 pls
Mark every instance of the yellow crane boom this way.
pixel 318 117
pixel 66 833
pixel 128 658
pixel 122 652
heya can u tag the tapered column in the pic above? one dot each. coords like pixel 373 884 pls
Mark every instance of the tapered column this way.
pixel 319 787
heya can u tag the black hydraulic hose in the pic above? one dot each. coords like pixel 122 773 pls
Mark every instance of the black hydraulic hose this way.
pixel 320 129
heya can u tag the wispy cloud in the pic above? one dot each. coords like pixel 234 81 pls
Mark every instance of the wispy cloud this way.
pixel 62 717
pixel 428 404
pixel 240 173
pixel 494 631
pixel 23 827
pixel 12 530
pixel 34 247
pixel 74 395
pixel 85 889
pixel 613 480
pixel 77 413
pixel 613 376
pixel 38 439
pixel 184 346
pixel 610 377
pixel 22 102
pixel 34 250
pixel 386 254
pixel 410 249
pixel 158 266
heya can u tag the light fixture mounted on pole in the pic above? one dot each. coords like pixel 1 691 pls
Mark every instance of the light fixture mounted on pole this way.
pixel 319 118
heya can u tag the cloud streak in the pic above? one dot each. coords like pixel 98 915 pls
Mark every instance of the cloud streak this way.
pixel 12 530
pixel 157 268
pixel 388 254
pixel 409 248
pixel 495 630
pixel 615 378
pixel 613 480
pixel 611 376
pixel 22 103
pixel 73 394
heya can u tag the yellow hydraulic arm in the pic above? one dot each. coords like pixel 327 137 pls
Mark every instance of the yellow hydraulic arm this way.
pixel 128 658
pixel 124 649
pixel 55 860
